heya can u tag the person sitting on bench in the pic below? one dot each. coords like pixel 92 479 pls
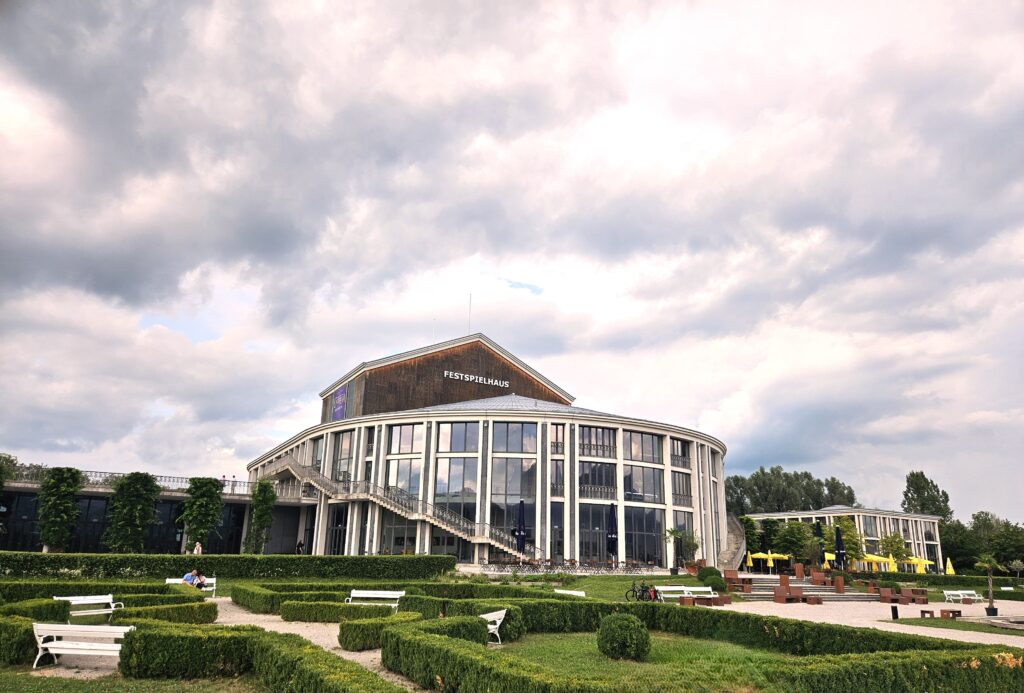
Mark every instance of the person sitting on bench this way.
pixel 195 579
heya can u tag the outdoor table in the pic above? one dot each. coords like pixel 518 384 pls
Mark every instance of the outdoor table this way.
pixel 950 613
pixel 686 601
pixel 927 613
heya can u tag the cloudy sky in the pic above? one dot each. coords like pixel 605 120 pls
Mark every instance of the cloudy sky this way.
pixel 797 228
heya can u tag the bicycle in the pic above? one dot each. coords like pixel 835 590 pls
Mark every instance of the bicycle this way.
pixel 643 593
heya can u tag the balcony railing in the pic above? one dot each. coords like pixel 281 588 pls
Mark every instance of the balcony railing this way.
pixel 680 499
pixel 557 448
pixel 558 490
pixel 34 475
pixel 593 450
pixel 599 492
pixel 638 497
pixel 680 461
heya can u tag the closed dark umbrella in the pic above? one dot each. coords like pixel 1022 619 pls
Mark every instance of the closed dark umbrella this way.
pixel 820 535
pixel 840 550
pixel 521 527
pixel 613 534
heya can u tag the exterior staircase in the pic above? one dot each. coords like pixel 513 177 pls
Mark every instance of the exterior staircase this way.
pixel 405 504
pixel 735 550
pixel 763 590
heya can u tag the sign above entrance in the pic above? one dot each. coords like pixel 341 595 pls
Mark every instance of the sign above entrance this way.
pixel 475 379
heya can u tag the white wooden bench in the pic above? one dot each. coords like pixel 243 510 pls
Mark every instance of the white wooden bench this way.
pixel 494 620
pixel 211 584
pixel 575 593
pixel 1006 589
pixel 57 639
pixel 684 591
pixel 106 599
pixel 389 597
pixel 961 595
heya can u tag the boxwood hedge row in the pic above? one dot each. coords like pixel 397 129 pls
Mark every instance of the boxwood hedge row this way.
pixel 192 612
pixel 17 590
pixel 331 612
pixel 44 610
pixel 91 565
pixel 17 643
pixel 364 633
pixel 283 662
pixel 939 580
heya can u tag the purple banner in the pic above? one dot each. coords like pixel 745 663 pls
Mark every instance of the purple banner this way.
pixel 339 396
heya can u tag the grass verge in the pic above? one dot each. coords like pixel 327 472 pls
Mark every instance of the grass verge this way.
pixel 950 624
pixel 21 679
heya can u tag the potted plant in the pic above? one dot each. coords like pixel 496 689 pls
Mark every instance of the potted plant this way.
pixel 685 544
pixel 988 563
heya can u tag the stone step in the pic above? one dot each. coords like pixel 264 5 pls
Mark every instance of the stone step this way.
pixel 852 597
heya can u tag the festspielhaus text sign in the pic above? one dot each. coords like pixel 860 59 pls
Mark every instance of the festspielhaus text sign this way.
pixel 475 379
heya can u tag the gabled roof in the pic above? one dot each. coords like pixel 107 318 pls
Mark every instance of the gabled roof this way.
pixel 423 351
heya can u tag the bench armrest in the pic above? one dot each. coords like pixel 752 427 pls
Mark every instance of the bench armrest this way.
pixel 116 605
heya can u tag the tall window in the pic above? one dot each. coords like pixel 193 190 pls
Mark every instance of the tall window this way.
pixel 593 532
pixel 397 534
pixel 318 452
pixel 557 477
pixel 557 531
pixel 406 438
pixel 682 493
pixel 455 486
pixel 642 484
pixel 343 456
pixel 870 526
pixel 515 437
pixel 371 434
pixel 336 529
pixel 458 437
pixel 645 535
pixel 597 442
pixel 680 453
pixel 641 447
pixel 683 519
pixel 404 475
pixel 716 464
pixel 597 474
pixel 512 479
pixel 557 439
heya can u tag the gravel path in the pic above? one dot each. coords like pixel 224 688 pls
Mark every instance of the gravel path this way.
pixel 323 634
pixel 877 615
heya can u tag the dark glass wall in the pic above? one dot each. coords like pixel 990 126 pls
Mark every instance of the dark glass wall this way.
pixel 645 535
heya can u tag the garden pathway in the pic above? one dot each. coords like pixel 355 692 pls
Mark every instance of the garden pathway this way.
pixel 323 634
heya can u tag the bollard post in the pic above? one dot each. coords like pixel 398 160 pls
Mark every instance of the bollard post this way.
pixel 895 612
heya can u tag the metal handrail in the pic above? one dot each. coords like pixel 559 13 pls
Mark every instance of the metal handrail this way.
pixel 680 499
pixel 557 448
pixel 558 489
pixel 595 491
pixel 35 473
pixel 681 461
pixel 596 450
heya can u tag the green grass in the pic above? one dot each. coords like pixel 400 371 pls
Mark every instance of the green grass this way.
pixel 613 587
pixel 20 679
pixel 950 624
pixel 676 663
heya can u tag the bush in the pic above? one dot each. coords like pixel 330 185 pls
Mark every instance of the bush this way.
pixel 935 580
pixel 132 600
pixel 716 583
pixel 17 643
pixel 364 633
pixel 194 612
pixel 889 585
pixel 284 663
pixel 707 571
pixel 17 590
pixel 87 565
pixel 623 636
pixel 428 607
pixel 41 610
pixel 331 612
pixel 469 628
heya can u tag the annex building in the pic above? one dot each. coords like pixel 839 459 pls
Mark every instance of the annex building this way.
pixel 444 448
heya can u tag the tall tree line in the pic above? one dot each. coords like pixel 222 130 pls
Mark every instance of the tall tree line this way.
pixel 776 490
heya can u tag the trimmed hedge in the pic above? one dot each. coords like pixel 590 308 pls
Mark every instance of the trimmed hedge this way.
pixel 512 627
pixel 940 580
pixel 469 628
pixel 267 599
pixel 284 663
pixel 17 643
pixel 332 612
pixel 18 590
pixel 39 610
pixel 364 633
pixel 133 600
pixel 428 607
pixel 93 565
pixel 195 612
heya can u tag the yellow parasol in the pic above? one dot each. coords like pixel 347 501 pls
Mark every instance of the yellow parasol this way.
pixel 829 556
pixel 771 563
pixel 759 554
pixel 750 560
pixel 892 564
pixel 949 567
pixel 825 565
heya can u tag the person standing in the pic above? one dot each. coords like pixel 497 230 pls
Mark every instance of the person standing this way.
pixel 198 550
pixel 300 548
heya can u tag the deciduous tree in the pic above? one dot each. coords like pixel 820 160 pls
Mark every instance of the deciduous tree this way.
pixel 894 545
pixel 262 515
pixel 203 509
pixel 793 537
pixel 58 506
pixel 132 511
pixel 776 490
pixel 922 495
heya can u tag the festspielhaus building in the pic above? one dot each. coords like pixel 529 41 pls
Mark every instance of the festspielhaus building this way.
pixel 450 448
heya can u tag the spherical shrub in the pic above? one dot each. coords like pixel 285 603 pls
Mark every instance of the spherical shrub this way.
pixel 707 571
pixel 623 636
pixel 716 583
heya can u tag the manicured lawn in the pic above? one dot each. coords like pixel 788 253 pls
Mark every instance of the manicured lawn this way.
pixel 613 587
pixel 950 624
pixel 19 679
pixel 676 663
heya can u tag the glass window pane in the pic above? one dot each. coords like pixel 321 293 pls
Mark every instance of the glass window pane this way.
pixel 515 437
pixel 417 438
pixel 469 477
pixel 444 437
pixel 498 466
pixel 441 484
pixel 472 436
pixel 530 437
pixel 500 437
pixel 458 437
